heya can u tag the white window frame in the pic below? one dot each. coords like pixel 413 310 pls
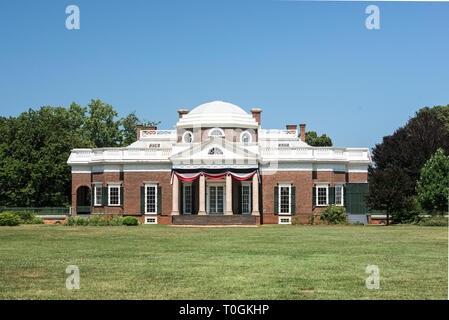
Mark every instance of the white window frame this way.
pixel 95 185
pixel 184 185
pixel 285 220
pixel 184 136
pixel 289 186
pixel 110 186
pixel 318 186
pixel 215 184
pixel 342 194
pixel 212 130
pixel 250 136
pixel 151 185
pixel 249 185
pixel 147 219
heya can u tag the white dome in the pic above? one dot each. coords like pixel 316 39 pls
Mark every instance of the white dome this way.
pixel 217 114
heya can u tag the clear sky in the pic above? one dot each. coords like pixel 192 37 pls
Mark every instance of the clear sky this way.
pixel 301 62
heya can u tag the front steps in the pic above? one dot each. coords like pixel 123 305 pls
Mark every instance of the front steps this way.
pixel 215 220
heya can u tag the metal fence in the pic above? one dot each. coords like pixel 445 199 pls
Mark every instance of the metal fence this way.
pixel 40 210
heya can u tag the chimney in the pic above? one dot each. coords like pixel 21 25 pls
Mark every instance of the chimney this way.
pixel 302 132
pixel 139 128
pixel 256 114
pixel 291 128
pixel 182 112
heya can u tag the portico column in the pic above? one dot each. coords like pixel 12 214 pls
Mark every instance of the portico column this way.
pixel 202 204
pixel 228 194
pixel 175 196
pixel 255 195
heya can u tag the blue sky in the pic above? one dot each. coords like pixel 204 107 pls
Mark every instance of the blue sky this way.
pixel 301 62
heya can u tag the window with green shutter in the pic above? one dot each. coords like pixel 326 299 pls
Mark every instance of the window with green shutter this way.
pixel 293 200
pixel 142 200
pixel 105 196
pixel 159 200
pixel 276 200
pixel 121 196
pixel 331 195
pixel 313 196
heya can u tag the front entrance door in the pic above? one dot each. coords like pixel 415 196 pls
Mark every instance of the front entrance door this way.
pixel 216 199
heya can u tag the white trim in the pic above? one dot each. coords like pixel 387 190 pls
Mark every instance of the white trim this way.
pixel 289 186
pixel 250 137
pixel 342 194
pixel 184 136
pixel 95 185
pixel 149 185
pixel 150 219
pixel 216 128
pixel 321 185
pixel 184 185
pixel 114 185
pixel 285 220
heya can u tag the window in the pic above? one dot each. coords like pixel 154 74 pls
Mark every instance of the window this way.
pixel 245 137
pixel 187 198
pixel 322 195
pixel 98 194
pixel 150 198
pixel 285 220
pixel 114 195
pixel 246 198
pixel 339 194
pixel 216 132
pixel 187 137
pixel 284 198
pixel 216 196
pixel 215 151
pixel 150 220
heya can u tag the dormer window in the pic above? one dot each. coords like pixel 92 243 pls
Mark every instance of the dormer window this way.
pixel 216 132
pixel 215 151
pixel 187 137
pixel 245 137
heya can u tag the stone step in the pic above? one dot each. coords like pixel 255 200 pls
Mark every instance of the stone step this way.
pixel 214 220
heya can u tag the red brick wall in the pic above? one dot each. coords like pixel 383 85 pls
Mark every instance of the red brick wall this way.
pixel 78 180
pixel 357 177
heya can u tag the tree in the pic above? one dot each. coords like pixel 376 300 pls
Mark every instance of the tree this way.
pixel 312 139
pixel 101 127
pixel 399 159
pixel 130 123
pixel 433 184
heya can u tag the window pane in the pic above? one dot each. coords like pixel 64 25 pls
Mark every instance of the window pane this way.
pixel 151 199
pixel 219 199
pixel 188 199
pixel 113 195
pixel 98 195
pixel 245 199
pixel 285 199
pixel 212 200
pixel 339 195
pixel 322 196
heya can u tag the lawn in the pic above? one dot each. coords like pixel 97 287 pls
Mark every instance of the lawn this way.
pixel 267 262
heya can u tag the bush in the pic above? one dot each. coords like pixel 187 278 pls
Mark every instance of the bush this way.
pixel 334 215
pixel 9 219
pixel 28 217
pixel 80 221
pixel 95 220
pixel 130 221
pixel 432 221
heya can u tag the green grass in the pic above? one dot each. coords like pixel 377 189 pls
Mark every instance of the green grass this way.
pixel 268 262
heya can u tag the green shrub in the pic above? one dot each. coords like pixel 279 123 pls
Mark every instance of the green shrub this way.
pixel 296 221
pixel 28 217
pixel 432 221
pixel 130 221
pixel 334 215
pixel 97 220
pixel 70 221
pixel 94 220
pixel 116 221
pixel 80 221
pixel 9 219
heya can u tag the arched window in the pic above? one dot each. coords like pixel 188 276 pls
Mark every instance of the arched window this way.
pixel 245 137
pixel 216 132
pixel 215 151
pixel 187 137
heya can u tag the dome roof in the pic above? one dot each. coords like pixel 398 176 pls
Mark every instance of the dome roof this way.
pixel 217 114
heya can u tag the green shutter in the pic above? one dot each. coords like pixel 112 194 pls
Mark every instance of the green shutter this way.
pixel 159 200
pixel 121 196
pixel 345 198
pixel 313 196
pixel 293 200
pixel 331 195
pixel 354 197
pixel 92 194
pixel 276 200
pixel 142 200
pixel 105 196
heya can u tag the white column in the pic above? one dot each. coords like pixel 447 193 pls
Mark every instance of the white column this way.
pixel 228 195
pixel 175 196
pixel 255 195
pixel 202 200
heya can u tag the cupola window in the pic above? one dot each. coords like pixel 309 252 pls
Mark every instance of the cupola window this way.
pixel 215 151
pixel 245 137
pixel 216 132
pixel 187 137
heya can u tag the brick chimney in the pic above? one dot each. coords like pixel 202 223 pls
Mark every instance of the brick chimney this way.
pixel 139 128
pixel 182 112
pixel 291 128
pixel 256 114
pixel 302 132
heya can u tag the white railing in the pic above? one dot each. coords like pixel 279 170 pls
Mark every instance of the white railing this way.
pixel 316 153
pixel 157 133
pixel 118 154
pixel 278 133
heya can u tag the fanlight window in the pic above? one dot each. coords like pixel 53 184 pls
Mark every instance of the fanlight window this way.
pixel 216 132
pixel 215 151
pixel 188 137
pixel 245 137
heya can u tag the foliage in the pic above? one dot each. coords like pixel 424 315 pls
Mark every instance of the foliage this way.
pixel 95 220
pixel 9 219
pixel 431 221
pixel 312 139
pixel 398 162
pixel 130 221
pixel 35 146
pixel 130 123
pixel 28 217
pixel 334 215
pixel 433 184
